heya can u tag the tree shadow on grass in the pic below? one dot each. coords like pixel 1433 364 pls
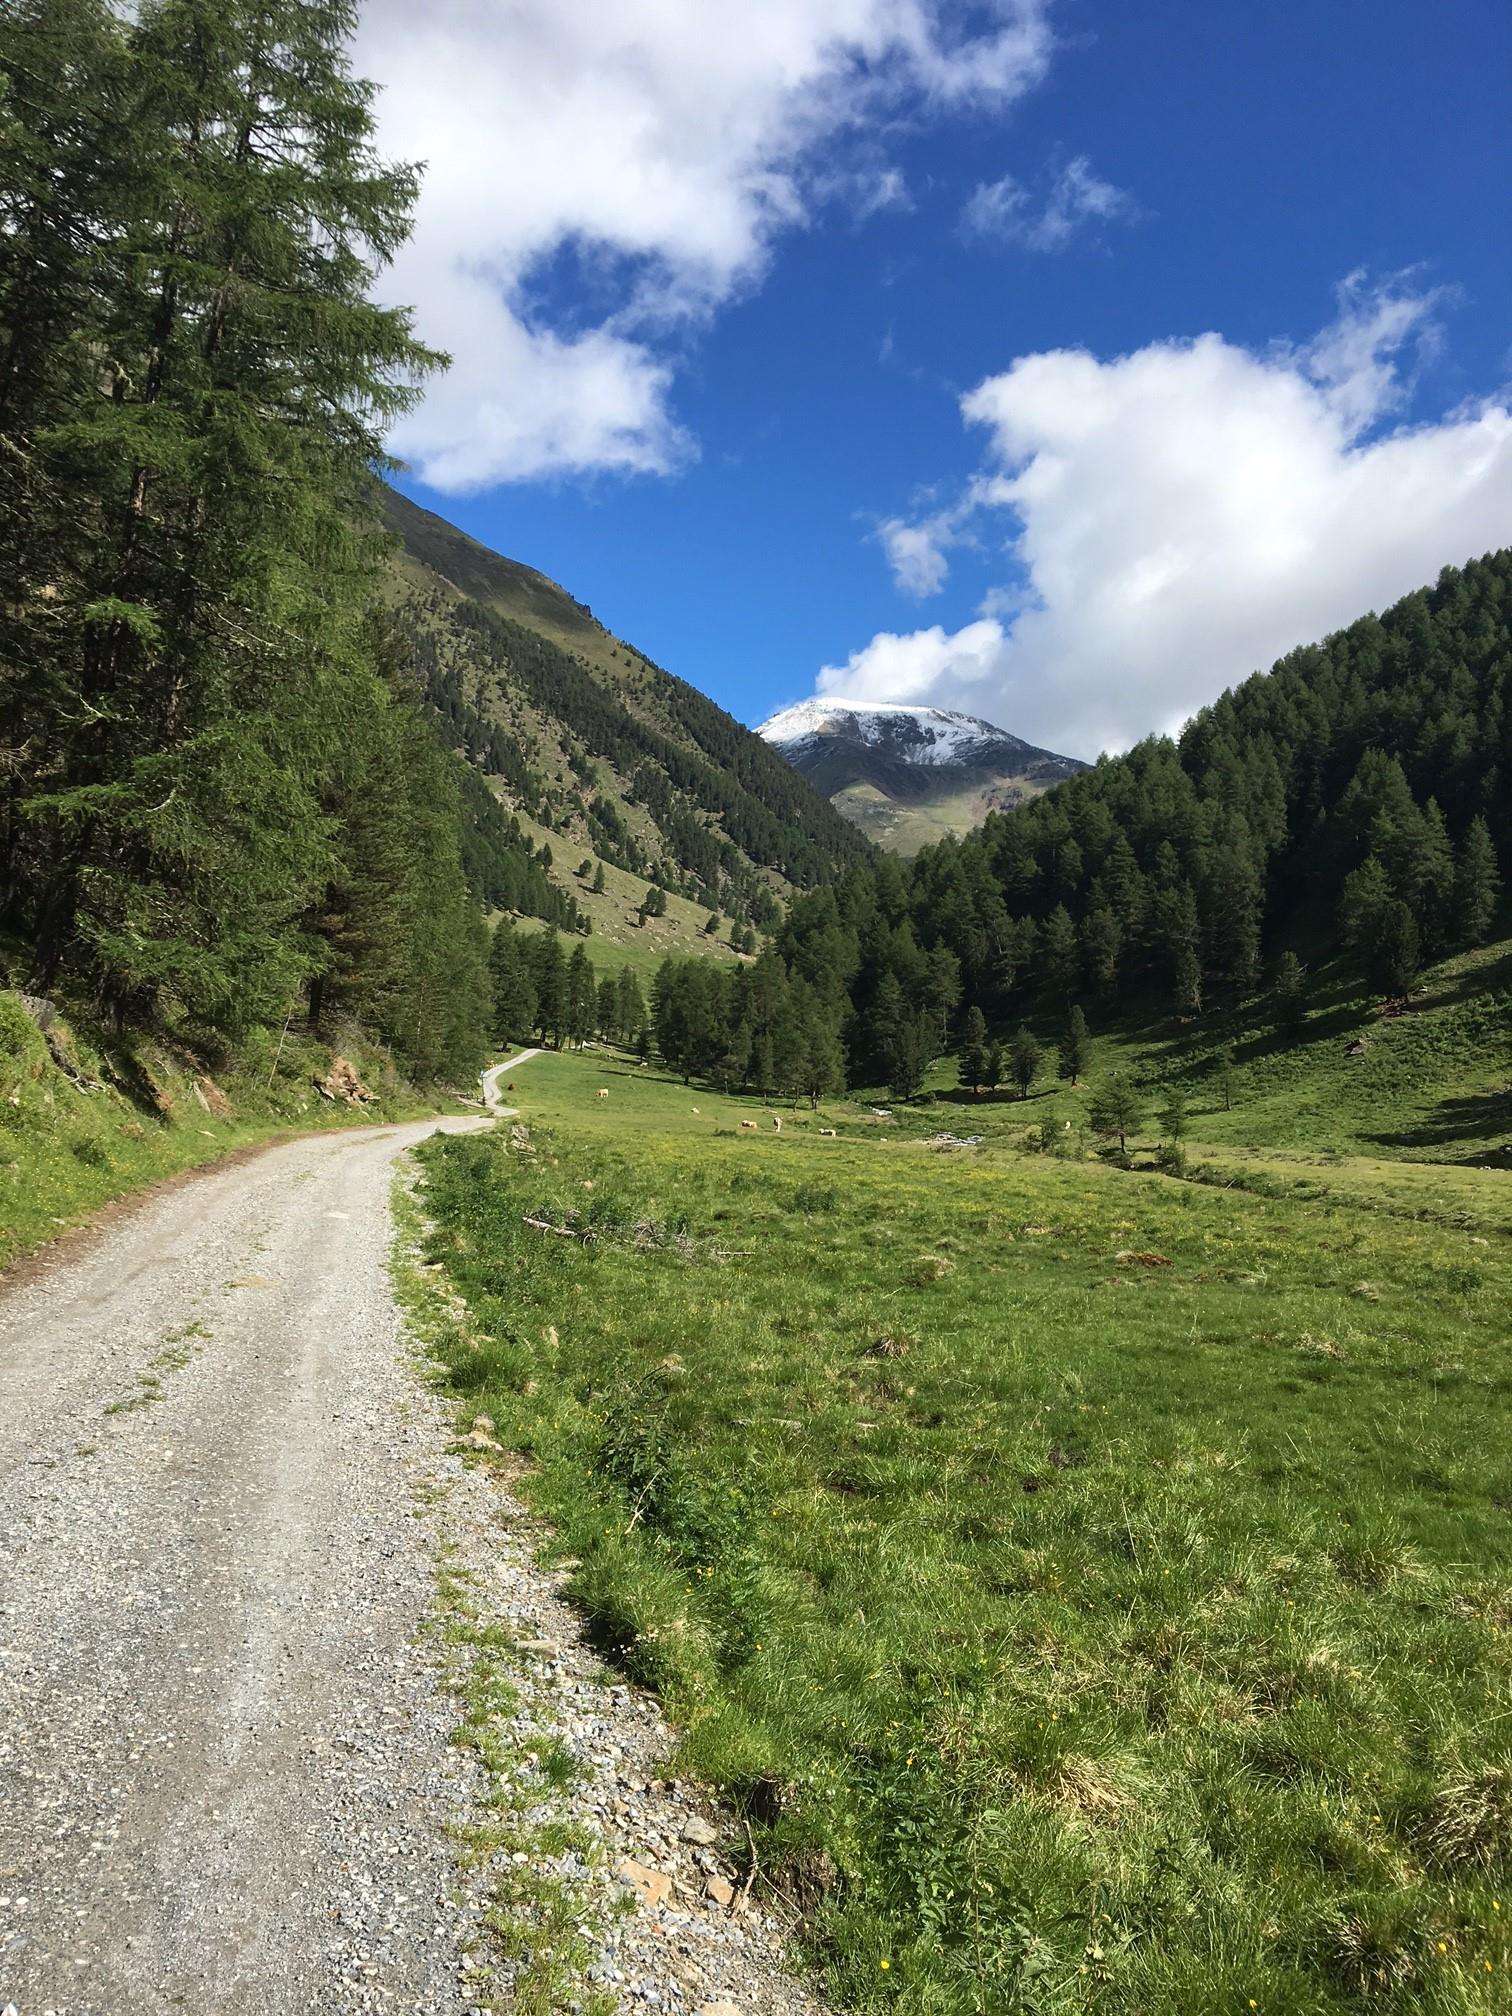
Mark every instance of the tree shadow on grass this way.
pixel 1474 1117
pixel 959 1096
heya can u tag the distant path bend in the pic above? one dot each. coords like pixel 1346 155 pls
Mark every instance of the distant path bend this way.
pixel 491 1079
pixel 223 1762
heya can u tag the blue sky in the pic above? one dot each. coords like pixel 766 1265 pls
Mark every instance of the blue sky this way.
pixel 716 312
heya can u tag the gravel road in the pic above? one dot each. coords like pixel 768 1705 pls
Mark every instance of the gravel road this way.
pixel 223 1766
pixel 227 1774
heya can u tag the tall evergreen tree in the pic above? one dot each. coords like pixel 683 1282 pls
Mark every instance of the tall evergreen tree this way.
pixel 1116 1108
pixel 973 1050
pixel 1024 1061
pixel 1290 991
pixel 1075 1047
pixel 550 977
pixel 514 994
pixel 1477 885
pixel 205 615
pixel 582 997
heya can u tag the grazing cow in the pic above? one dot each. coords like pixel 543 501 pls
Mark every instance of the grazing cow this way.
pixel 749 1123
pixel 826 1133
pixel 692 1109
pixel 777 1122
pixel 603 1092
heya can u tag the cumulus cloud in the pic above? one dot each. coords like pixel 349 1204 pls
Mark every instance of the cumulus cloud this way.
pixel 916 553
pixel 1008 212
pixel 1181 516
pixel 647 142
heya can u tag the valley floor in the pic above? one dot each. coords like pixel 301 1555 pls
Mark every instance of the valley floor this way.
pixel 1095 1589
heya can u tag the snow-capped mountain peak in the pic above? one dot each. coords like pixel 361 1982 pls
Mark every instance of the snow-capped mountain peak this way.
pixel 925 735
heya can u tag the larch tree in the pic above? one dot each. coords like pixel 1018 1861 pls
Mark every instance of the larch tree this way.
pixel 220 453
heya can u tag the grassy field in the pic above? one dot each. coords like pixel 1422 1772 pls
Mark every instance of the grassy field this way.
pixel 1095 1589
pixel 1433 1085
pixel 153 1112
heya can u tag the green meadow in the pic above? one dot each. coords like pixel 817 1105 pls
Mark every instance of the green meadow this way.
pixel 1094 1589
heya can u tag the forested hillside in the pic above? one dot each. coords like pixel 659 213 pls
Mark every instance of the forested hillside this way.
pixel 1355 799
pixel 221 797
pixel 587 738
pixel 260 760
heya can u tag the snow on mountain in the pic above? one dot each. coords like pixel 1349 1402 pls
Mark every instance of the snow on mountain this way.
pixel 924 735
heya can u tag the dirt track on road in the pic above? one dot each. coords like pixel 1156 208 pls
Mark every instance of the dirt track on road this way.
pixel 223 1767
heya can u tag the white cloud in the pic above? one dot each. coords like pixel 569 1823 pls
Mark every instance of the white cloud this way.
pixel 916 553
pixel 656 142
pixel 1006 210
pixel 1183 515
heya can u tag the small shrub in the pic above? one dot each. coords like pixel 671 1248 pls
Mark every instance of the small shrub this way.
pixel 18 1032
pixel 812 1199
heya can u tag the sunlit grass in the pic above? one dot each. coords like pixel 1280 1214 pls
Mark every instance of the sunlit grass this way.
pixel 1095 1588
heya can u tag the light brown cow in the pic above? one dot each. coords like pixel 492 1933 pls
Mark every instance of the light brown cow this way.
pixel 749 1123
pixel 777 1122
pixel 603 1092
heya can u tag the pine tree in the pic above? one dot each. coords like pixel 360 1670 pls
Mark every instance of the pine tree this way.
pixel 1477 885
pixel 1060 955
pixel 1116 1108
pixel 1101 944
pixel 823 1065
pixel 514 996
pixel 1024 1061
pixel 606 1014
pixel 550 976
pixel 1186 982
pixel 995 1064
pixel 1395 954
pixel 598 879
pixel 582 997
pixel 1363 903
pixel 209 617
pixel 734 1061
pixel 1227 1075
pixel 1075 1047
pixel 630 1007
pixel 1173 1114
pixel 973 1050
pixel 1432 895
pixel 1290 992
pixel 910 1052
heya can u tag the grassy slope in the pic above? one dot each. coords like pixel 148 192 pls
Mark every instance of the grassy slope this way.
pixel 65 1153
pixel 904 826
pixel 445 558
pixel 1081 1632
pixel 617 939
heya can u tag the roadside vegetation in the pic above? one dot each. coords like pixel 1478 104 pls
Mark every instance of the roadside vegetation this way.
pixel 1094 1588
pixel 119 1113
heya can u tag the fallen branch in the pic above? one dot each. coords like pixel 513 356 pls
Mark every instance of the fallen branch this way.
pixel 753 1871
pixel 561 1231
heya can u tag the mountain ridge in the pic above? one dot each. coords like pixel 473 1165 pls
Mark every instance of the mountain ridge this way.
pixel 907 775
pixel 588 764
